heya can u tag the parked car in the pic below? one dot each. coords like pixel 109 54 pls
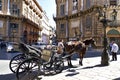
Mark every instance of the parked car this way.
pixel 39 45
pixel 2 44
pixel 12 47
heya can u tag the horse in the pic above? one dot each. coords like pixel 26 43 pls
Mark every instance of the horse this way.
pixel 79 47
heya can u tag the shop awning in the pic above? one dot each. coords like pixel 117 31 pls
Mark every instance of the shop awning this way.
pixel 113 32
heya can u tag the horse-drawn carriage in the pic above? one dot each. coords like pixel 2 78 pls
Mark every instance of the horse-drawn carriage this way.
pixel 34 60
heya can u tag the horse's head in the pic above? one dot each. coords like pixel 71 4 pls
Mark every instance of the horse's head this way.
pixel 93 42
pixel 90 41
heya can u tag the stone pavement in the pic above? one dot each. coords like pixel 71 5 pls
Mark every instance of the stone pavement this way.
pixel 91 69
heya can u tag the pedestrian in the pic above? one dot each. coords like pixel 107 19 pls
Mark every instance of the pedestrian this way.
pixel 0 45
pixel 110 46
pixel 114 51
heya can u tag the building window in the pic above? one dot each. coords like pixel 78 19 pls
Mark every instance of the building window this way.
pixel 0 4
pixel 113 2
pixel 88 4
pixel 62 10
pixel 62 27
pixel 114 15
pixel 88 22
pixel 14 9
pixel 75 4
pixel 13 31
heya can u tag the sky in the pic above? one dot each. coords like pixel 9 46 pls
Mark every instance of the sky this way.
pixel 50 8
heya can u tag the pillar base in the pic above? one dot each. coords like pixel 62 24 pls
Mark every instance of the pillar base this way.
pixel 105 58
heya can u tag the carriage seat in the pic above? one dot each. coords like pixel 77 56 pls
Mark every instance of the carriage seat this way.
pixel 28 49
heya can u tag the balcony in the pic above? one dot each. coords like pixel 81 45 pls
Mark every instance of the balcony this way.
pixel 115 23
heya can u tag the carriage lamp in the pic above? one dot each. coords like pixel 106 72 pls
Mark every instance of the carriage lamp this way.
pixel 102 18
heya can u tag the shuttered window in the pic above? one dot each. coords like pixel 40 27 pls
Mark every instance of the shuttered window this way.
pixel 62 10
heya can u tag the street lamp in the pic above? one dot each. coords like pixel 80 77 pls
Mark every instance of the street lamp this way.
pixel 104 21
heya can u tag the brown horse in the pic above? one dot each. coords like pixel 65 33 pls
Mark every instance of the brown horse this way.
pixel 78 47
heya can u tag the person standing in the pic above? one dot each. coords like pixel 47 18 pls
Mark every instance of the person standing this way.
pixel 114 51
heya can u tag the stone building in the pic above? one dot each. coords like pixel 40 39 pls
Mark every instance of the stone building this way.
pixel 45 33
pixel 20 19
pixel 79 19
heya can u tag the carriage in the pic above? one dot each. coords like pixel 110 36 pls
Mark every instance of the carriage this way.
pixel 37 61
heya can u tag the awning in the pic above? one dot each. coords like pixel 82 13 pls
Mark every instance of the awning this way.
pixel 113 32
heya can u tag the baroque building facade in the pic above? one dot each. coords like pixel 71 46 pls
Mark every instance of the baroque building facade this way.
pixel 79 19
pixel 20 19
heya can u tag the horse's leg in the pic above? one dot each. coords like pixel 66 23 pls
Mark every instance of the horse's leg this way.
pixel 69 61
pixel 80 61
pixel 81 58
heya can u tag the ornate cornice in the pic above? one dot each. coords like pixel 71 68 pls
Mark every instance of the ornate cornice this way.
pixel 78 14
pixel 26 2
pixel 10 17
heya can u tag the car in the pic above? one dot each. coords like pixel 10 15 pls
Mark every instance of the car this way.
pixel 39 45
pixel 12 47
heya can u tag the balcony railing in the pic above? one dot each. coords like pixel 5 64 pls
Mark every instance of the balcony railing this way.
pixel 115 23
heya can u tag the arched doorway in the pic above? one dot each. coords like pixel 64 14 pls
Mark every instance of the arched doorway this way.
pixel 114 35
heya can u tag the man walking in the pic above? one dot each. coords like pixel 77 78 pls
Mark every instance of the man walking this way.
pixel 114 51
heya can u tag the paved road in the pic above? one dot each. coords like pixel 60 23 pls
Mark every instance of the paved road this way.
pixel 91 69
pixel 5 73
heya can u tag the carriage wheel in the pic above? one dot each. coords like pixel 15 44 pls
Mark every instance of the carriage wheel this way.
pixel 28 69
pixel 15 61
pixel 48 65
pixel 58 66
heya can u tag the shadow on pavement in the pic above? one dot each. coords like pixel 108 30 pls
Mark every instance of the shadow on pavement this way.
pixel 98 65
pixel 117 78
pixel 7 56
pixel 72 74
pixel 7 77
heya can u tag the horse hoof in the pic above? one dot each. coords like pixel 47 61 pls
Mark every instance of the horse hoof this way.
pixel 80 64
pixel 71 66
